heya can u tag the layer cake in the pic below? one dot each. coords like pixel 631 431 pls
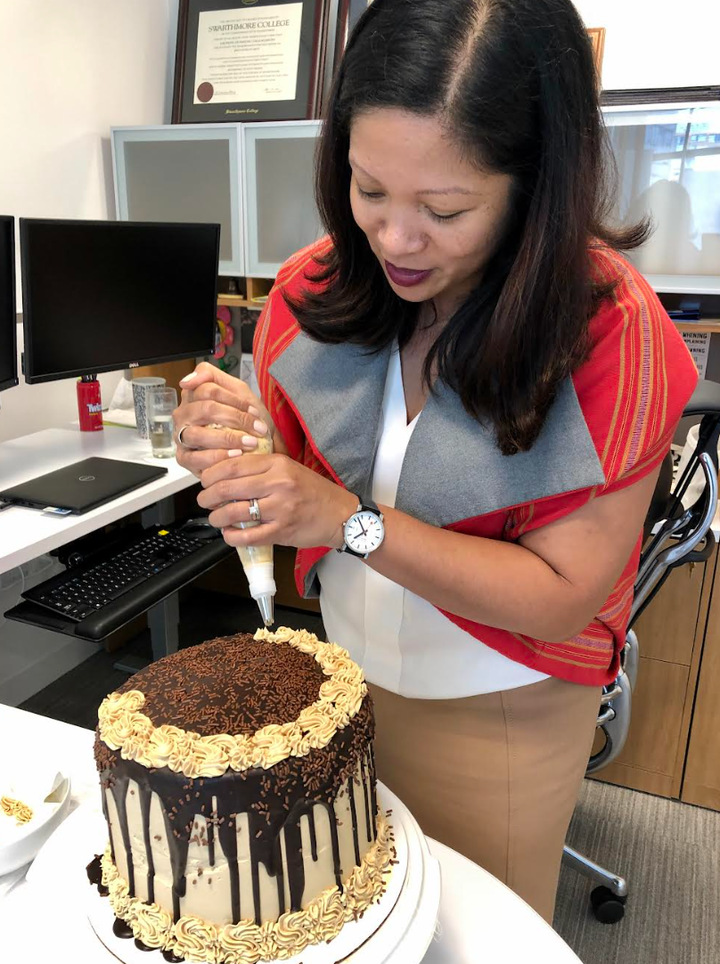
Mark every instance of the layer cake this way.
pixel 238 784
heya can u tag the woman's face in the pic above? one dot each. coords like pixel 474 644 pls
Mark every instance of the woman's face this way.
pixel 432 218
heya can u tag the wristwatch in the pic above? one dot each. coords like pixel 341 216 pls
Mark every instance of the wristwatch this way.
pixel 364 531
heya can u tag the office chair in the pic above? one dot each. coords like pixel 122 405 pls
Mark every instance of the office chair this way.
pixel 674 535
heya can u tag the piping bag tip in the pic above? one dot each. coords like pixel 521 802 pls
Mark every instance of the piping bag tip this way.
pixel 266 605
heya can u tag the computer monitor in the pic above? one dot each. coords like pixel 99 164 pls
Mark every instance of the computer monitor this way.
pixel 99 296
pixel 668 158
pixel 8 320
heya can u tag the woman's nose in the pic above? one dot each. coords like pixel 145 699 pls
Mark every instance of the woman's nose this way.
pixel 398 239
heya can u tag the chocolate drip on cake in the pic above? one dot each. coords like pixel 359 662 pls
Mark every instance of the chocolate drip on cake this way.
pixel 366 799
pixel 145 801
pixel 313 835
pixel 119 788
pixel 353 813
pixel 337 867
pixel 178 692
pixel 294 859
pixel 122 929
pixel 228 841
pixel 94 870
pixel 373 785
pixel 211 842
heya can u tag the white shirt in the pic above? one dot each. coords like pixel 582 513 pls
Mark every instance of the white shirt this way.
pixel 404 643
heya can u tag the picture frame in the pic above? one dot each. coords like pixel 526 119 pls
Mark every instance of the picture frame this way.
pixel 248 60
pixel 597 39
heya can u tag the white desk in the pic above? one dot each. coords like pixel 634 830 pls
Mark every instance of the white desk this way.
pixel 27 533
pixel 480 919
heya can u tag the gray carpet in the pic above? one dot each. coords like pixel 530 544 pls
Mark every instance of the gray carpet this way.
pixel 669 853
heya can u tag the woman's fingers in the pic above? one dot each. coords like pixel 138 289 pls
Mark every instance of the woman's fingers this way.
pixel 217 437
pixel 238 468
pixel 198 461
pixel 210 424
pixel 215 408
pixel 265 534
pixel 209 382
pixel 236 479
pixel 233 513
pixel 233 490
pixel 241 398
pixel 209 412
pixel 206 373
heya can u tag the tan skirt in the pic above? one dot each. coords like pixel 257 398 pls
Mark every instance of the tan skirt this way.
pixel 495 777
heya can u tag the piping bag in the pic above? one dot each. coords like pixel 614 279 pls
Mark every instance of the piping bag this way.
pixel 257 561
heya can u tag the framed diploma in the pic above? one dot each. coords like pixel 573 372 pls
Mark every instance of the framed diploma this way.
pixel 248 60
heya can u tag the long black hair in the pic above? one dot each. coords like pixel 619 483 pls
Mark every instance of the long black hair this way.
pixel 514 84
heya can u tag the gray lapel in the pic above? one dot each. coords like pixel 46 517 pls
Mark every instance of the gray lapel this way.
pixel 453 469
pixel 338 390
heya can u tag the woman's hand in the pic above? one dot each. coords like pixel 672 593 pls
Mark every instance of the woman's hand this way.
pixel 297 506
pixel 217 412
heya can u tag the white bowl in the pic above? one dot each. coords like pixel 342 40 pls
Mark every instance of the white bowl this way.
pixel 22 779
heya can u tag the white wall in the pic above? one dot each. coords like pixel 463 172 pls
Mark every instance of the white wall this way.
pixel 657 43
pixel 31 408
pixel 69 71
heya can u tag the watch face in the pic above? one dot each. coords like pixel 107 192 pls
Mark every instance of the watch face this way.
pixel 364 532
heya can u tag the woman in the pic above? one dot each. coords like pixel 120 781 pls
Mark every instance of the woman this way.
pixel 467 349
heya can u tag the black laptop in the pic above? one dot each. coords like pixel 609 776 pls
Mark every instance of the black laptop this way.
pixel 82 486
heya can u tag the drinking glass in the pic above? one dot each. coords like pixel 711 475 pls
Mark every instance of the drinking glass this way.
pixel 160 405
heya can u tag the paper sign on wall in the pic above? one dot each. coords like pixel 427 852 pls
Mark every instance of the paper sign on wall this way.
pixel 698 343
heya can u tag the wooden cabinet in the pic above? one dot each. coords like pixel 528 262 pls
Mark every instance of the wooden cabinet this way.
pixel 674 645
pixel 701 783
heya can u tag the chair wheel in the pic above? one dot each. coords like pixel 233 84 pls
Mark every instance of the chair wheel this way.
pixel 607 907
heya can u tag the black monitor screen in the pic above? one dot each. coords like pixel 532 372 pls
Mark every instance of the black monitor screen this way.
pixel 104 295
pixel 8 321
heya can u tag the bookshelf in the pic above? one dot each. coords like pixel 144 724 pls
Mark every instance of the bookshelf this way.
pixel 707 325
pixel 256 292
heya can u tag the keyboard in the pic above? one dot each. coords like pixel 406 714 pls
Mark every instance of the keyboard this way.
pixel 106 592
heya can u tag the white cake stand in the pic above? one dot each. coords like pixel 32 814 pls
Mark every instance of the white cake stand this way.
pixel 396 930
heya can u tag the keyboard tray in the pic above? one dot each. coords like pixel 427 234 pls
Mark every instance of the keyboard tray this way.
pixel 117 613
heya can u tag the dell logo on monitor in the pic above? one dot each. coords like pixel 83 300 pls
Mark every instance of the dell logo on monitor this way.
pixel 86 478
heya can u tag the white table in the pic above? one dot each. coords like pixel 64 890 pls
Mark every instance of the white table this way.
pixel 27 533
pixel 480 918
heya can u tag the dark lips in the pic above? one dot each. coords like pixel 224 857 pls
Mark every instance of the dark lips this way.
pixel 406 277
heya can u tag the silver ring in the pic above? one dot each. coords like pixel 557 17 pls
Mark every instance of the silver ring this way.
pixel 255 511
pixel 180 436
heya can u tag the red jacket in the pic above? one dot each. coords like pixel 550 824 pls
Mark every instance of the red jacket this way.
pixel 611 425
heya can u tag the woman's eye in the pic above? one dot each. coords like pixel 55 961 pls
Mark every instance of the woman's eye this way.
pixel 444 217
pixel 370 195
